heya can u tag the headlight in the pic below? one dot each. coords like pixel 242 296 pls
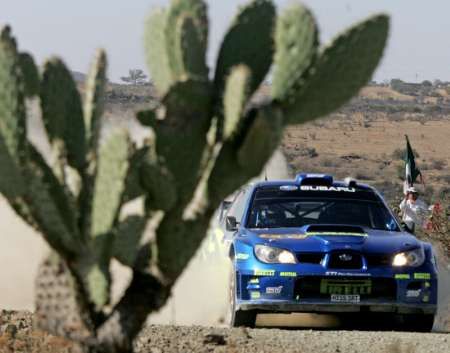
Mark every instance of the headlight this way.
pixel 413 258
pixel 272 255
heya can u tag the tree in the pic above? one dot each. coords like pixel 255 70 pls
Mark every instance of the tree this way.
pixel 135 77
pixel 209 140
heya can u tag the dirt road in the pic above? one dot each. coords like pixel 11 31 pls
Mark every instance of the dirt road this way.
pixel 16 334
pixel 174 339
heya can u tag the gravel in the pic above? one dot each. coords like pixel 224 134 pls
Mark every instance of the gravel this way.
pixel 171 339
pixel 17 327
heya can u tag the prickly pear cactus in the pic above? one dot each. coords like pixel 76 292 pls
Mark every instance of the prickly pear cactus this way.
pixel 209 140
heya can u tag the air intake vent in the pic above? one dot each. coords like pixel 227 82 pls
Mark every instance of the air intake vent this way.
pixel 319 228
pixel 310 258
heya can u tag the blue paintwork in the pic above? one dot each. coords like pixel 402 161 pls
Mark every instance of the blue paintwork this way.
pixel 251 282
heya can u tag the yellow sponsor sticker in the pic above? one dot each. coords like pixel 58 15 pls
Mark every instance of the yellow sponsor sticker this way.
pixel 264 272
pixel 255 295
pixel 241 256
pixel 402 276
pixel 288 274
pixel 422 276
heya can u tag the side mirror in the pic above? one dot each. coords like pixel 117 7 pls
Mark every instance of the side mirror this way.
pixel 231 224
pixel 223 208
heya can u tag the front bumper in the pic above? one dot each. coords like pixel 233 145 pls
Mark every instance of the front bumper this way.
pixel 327 307
pixel 266 291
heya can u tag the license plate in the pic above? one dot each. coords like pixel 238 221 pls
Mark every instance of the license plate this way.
pixel 344 298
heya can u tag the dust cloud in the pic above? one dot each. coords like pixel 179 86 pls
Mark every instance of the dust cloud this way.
pixel 201 294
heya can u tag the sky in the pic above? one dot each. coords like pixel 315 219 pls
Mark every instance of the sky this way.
pixel 418 49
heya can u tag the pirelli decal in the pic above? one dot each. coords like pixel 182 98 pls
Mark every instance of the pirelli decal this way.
pixel 264 272
pixel 402 276
pixel 422 276
pixel 288 274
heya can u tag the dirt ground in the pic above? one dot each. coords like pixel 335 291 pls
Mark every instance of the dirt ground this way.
pixel 17 335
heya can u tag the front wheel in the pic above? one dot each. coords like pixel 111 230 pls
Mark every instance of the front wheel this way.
pixel 238 318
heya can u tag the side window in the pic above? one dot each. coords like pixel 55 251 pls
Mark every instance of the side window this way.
pixel 237 208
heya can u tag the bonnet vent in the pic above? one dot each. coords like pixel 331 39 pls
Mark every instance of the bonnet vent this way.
pixel 325 228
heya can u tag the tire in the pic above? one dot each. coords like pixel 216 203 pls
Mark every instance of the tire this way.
pixel 417 323
pixel 238 318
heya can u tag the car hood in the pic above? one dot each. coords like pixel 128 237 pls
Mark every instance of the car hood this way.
pixel 368 241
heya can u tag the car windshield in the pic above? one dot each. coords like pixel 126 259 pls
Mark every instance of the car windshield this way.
pixel 289 212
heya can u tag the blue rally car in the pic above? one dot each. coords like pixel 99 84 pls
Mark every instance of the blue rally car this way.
pixel 317 245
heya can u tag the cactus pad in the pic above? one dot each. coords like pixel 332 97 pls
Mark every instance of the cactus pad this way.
pixel 235 98
pixel 93 103
pixel 340 71
pixel 156 52
pixel 62 111
pixel 249 41
pixel 30 74
pixel 296 42
pixel 186 34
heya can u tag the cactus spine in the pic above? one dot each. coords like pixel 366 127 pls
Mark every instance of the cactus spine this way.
pixel 209 140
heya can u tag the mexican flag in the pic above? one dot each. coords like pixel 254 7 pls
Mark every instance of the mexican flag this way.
pixel 411 170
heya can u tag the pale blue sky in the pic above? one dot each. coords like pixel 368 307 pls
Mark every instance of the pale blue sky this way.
pixel 419 46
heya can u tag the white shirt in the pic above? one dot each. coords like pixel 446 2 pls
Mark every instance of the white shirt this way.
pixel 414 212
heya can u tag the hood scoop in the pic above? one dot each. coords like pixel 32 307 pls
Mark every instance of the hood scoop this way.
pixel 335 229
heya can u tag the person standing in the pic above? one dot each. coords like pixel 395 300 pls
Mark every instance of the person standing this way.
pixel 414 211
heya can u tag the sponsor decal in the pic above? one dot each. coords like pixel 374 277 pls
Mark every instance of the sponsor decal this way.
pixel 264 272
pixel 413 293
pixel 241 256
pixel 288 274
pixel 346 287
pixel 347 274
pixel 326 188
pixel 283 236
pixel 402 276
pixel 254 281
pixel 422 276
pixel 274 290
pixel 288 188
pixel 255 295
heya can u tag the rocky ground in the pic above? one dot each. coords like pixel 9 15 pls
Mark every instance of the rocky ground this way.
pixel 17 335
